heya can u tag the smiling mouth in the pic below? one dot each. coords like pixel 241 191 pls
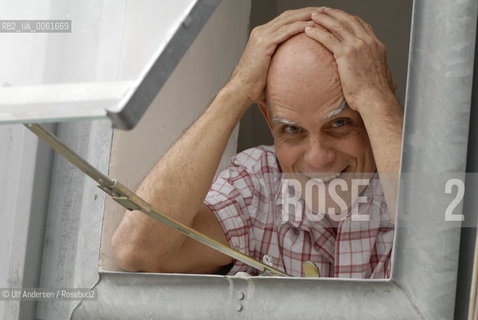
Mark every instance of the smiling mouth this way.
pixel 323 178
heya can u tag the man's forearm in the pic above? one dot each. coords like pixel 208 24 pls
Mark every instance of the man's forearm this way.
pixel 383 120
pixel 184 174
pixel 179 182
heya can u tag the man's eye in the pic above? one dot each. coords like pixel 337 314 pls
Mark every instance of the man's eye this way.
pixel 291 129
pixel 340 123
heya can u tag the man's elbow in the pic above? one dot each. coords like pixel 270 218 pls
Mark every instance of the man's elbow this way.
pixel 123 253
pixel 128 256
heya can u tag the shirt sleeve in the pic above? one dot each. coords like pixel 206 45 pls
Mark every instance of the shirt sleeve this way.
pixel 231 199
pixel 241 198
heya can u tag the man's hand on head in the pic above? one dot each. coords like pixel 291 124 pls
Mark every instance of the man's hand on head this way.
pixel 361 57
pixel 368 88
pixel 249 76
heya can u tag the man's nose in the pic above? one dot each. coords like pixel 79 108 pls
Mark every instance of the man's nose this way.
pixel 319 154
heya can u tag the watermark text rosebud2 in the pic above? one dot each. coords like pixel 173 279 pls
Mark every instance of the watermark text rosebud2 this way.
pixel 311 197
pixel 39 294
pixel 333 198
pixel 459 185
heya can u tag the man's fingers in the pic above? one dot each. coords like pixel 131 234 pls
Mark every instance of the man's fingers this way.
pixel 354 23
pixel 270 40
pixel 367 27
pixel 292 16
pixel 290 30
pixel 323 36
pixel 341 31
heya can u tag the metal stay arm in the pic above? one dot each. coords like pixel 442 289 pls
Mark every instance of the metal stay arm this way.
pixel 128 199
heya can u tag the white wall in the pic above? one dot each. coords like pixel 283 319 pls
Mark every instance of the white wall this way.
pixel 203 70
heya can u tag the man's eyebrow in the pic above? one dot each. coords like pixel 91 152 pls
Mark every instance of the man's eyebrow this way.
pixel 343 106
pixel 284 121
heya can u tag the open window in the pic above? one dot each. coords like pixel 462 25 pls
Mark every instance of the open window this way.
pixel 132 154
pixel 440 60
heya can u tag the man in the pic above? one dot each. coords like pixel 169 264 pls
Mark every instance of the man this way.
pixel 327 96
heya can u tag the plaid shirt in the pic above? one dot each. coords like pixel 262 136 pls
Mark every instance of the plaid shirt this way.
pixel 247 201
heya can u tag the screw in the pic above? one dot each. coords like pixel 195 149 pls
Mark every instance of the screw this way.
pixel 241 295
pixel 187 22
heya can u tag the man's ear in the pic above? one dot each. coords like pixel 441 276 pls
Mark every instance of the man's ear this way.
pixel 266 113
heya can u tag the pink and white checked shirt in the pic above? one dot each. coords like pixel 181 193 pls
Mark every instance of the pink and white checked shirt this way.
pixel 246 199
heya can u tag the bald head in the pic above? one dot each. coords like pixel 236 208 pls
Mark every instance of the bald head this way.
pixel 301 66
pixel 301 50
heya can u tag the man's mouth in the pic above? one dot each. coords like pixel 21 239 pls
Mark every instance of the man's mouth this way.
pixel 324 178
